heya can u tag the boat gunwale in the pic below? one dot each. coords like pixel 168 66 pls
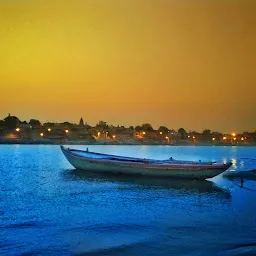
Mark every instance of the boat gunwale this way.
pixel 146 160
pixel 169 166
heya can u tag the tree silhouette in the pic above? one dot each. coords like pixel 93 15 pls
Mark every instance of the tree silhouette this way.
pixel 48 125
pixel 217 135
pixel 207 135
pixel 34 122
pixel 138 128
pixel 11 121
pixel 183 133
pixel 147 127
pixel 163 129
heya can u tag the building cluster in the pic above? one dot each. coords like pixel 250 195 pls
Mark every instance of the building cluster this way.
pixel 14 130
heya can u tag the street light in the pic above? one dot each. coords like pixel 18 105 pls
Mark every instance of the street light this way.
pixel 66 131
pixel 17 129
pixel 41 134
pixel 234 137
pixel 49 129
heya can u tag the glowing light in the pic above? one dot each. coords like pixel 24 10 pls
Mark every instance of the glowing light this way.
pixel 114 136
pixel 98 134
pixel 234 138
pixel 194 137
pixel 213 138
pixel 144 133
pixel 167 137
pixel 66 131
pixel 17 129
pixel 242 138
pixel 161 133
pixel 41 134
pixel 224 138
pixel 188 136
pixel 49 129
pixel 233 134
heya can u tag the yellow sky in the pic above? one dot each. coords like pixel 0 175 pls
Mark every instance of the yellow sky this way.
pixel 180 63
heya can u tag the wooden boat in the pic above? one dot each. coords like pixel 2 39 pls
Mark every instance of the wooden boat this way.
pixel 97 162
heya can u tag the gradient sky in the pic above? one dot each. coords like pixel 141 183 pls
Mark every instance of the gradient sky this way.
pixel 179 63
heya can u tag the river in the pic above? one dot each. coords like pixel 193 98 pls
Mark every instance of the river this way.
pixel 48 208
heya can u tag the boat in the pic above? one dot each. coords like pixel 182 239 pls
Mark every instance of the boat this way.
pixel 98 162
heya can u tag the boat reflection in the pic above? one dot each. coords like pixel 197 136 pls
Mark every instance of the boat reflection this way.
pixel 181 185
pixel 248 175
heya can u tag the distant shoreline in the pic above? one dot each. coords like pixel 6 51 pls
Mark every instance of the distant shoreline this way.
pixel 45 142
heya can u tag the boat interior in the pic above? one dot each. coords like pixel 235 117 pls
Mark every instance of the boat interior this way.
pixel 93 155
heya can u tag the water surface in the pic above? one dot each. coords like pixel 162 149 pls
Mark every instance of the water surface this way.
pixel 48 208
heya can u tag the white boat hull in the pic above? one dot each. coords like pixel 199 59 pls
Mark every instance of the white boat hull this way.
pixel 181 171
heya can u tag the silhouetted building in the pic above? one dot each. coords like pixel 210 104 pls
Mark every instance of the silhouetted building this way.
pixel 81 123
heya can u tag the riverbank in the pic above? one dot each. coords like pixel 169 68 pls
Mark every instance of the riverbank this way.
pixel 87 142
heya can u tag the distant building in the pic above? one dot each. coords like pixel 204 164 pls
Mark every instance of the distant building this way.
pixel 81 123
pixel 102 124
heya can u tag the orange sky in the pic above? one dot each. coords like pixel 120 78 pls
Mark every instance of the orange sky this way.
pixel 179 63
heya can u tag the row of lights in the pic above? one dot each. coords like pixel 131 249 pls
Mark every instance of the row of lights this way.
pixel 224 138
pixel 234 137
pixel 42 134
pixel 67 131
pixel 162 133
pixel 167 138
pixel 49 129
pixel 113 136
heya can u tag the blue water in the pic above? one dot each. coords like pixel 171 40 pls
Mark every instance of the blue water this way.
pixel 48 208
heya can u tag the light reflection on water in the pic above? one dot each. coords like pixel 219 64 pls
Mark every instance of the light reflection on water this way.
pixel 234 163
pixel 48 208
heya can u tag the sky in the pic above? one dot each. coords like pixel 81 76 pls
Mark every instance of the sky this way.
pixel 179 63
